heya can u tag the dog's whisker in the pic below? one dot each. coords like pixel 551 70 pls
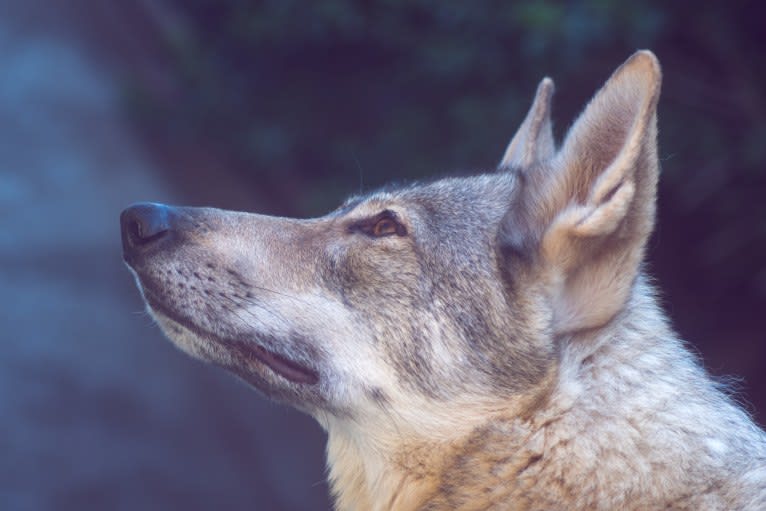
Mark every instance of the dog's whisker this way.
pixel 280 293
pixel 262 307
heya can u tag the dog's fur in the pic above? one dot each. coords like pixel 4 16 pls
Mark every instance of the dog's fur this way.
pixel 488 342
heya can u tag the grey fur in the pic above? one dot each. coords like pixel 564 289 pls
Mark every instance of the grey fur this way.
pixel 495 345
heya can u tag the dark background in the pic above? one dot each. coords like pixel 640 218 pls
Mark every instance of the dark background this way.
pixel 285 107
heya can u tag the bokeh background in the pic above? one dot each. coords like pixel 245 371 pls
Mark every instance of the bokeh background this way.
pixel 285 107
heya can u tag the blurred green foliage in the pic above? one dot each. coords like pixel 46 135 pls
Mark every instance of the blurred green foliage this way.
pixel 309 100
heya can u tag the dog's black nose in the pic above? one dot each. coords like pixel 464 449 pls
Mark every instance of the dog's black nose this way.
pixel 144 225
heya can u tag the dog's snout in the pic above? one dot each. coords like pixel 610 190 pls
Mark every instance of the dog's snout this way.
pixel 144 225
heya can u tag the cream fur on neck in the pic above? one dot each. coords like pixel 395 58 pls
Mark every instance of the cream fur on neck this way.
pixel 398 465
pixel 362 476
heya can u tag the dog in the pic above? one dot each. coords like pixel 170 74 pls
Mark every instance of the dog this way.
pixel 483 342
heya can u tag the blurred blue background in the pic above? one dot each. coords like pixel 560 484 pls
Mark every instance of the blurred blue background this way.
pixel 284 108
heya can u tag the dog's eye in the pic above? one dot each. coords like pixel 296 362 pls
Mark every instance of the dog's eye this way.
pixel 383 224
pixel 385 227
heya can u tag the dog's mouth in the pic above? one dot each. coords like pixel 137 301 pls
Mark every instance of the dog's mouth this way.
pixel 286 368
pixel 245 350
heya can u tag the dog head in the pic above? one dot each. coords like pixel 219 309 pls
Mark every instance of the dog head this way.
pixel 404 300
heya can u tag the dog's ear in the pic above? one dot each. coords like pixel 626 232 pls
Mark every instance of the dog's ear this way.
pixel 533 142
pixel 593 207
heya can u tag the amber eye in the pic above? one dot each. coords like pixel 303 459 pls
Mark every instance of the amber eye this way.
pixel 385 227
pixel 379 226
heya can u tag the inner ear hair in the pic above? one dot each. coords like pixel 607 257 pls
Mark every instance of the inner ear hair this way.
pixel 597 203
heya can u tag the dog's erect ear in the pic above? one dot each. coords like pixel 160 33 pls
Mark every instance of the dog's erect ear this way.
pixel 533 142
pixel 594 208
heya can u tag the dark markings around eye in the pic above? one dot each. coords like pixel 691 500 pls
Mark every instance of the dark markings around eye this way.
pixel 385 223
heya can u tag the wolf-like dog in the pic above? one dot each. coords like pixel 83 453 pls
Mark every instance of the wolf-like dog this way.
pixel 484 342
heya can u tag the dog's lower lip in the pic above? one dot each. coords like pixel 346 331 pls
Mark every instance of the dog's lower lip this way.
pixel 283 366
pixel 286 368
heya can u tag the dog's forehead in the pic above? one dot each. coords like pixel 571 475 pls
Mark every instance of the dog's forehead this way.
pixel 483 195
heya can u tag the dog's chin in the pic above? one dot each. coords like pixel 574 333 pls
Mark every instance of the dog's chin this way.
pixel 273 374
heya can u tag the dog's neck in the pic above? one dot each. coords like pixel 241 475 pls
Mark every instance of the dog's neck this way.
pixel 591 398
pixel 365 476
pixel 381 465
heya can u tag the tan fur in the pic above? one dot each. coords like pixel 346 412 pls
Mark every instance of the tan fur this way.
pixel 400 469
